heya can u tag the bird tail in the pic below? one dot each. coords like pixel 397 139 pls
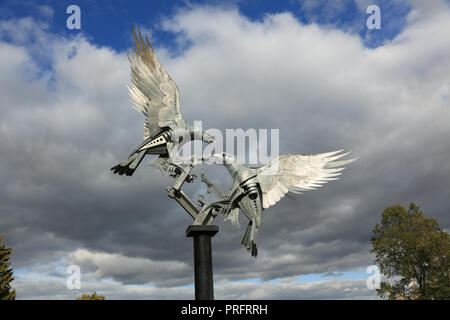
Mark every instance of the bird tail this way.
pixel 249 240
pixel 129 166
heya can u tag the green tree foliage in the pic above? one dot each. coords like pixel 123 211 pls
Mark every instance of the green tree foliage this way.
pixel 413 253
pixel 6 274
pixel 94 296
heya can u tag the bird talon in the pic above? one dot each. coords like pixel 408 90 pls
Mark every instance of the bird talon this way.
pixel 190 178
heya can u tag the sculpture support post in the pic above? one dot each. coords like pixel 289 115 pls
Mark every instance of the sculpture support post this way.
pixel 203 271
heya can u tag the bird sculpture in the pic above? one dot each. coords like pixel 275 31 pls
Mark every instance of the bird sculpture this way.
pixel 155 94
pixel 256 189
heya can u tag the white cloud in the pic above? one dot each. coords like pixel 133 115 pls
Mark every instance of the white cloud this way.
pixel 327 289
pixel 46 11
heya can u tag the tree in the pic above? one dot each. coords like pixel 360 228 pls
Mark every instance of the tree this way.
pixel 6 274
pixel 94 296
pixel 413 253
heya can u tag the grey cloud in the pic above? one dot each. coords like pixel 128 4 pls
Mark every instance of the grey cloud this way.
pixel 122 268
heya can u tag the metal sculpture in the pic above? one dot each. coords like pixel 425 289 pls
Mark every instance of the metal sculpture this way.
pixel 155 94
pixel 256 189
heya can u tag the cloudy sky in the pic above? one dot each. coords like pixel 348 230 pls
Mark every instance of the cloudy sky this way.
pixel 309 68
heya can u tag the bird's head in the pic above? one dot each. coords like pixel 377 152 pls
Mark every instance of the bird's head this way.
pixel 206 137
pixel 236 169
pixel 198 134
pixel 223 157
pixel 229 161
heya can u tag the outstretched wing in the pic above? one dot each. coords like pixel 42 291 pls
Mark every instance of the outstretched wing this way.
pixel 152 91
pixel 296 173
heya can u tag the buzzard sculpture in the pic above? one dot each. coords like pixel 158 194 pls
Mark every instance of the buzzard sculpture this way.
pixel 155 94
pixel 256 189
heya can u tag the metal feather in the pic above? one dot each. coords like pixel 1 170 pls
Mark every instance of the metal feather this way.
pixel 297 173
pixel 152 90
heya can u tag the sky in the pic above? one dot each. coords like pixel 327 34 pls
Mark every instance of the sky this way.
pixel 311 69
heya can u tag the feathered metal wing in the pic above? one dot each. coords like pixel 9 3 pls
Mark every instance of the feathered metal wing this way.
pixel 296 173
pixel 152 91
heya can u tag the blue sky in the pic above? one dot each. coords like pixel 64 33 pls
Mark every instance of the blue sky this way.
pixel 107 22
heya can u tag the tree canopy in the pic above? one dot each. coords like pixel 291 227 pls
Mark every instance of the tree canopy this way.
pixel 413 253
pixel 94 296
pixel 6 273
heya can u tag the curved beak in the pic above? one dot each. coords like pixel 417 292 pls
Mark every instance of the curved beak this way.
pixel 206 137
pixel 219 156
pixel 210 139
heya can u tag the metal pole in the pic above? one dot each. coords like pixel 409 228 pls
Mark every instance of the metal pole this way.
pixel 203 271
